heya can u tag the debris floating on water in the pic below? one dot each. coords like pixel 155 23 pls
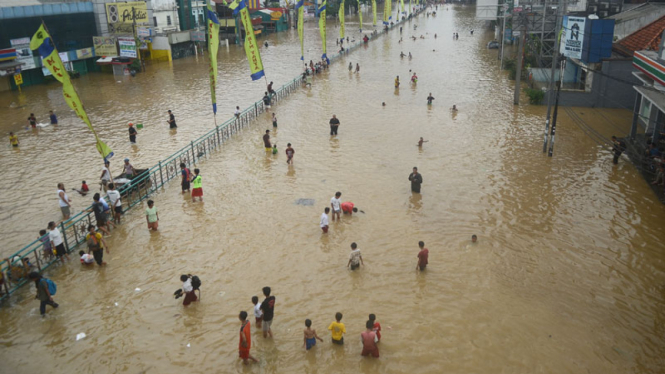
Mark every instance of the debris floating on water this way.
pixel 306 202
pixel 137 289
pixel 80 336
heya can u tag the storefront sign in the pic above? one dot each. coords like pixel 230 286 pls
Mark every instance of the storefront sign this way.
pixel 104 46
pixel 143 32
pixel 24 53
pixel 127 12
pixel 198 36
pixel 83 53
pixel 127 47
pixel 18 79
pixel 572 38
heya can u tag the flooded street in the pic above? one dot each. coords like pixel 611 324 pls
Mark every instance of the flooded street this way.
pixel 567 276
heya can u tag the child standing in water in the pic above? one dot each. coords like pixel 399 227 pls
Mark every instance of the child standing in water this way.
pixel 310 336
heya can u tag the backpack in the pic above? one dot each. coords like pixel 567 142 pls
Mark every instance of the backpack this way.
pixel 196 282
pixel 52 288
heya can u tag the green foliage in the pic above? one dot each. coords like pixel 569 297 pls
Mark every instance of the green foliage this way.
pixel 136 65
pixel 511 66
pixel 535 96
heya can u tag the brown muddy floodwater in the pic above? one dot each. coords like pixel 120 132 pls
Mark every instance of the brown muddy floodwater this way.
pixel 567 276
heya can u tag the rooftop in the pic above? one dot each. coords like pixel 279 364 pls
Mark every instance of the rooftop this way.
pixel 638 11
pixel 647 38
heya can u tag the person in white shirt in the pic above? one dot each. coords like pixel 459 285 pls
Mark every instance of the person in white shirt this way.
pixel 188 290
pixel 336 205
pixel 237 112
pixel 64 201
pixel 106 174
pixel 116 203
pixel 258 313
pixel 324 220
pixel 355 258
pixel 86 258
pixel 56 241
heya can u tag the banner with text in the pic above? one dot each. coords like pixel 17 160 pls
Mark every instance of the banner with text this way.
pixel 23 53
pixel 127 47
pixel 572 36
pixel 104 46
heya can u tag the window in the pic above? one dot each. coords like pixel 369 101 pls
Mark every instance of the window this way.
pixel 645 111
pixel 201 19
pixel 154 20
pixel 168 20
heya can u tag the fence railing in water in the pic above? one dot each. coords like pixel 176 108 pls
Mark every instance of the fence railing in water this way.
pixel 34 257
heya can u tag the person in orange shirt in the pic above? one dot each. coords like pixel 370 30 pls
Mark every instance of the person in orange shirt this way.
pixel 349 208
pixel 245 339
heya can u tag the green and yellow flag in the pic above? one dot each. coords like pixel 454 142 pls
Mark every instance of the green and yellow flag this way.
pixel 213 45
pixel 390 10
pixel 322 29
pixel 374 12
pixel 402 2
pixel 386 12
pixel 360 16
pixel 341 20
pixel 44 44
pixel 251 49
pixel 301 25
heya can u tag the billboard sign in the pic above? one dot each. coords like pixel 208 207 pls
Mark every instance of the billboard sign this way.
pixel 121 17
pixel 104 46
pixel 127 47
pixel 572 36
pixel 24 53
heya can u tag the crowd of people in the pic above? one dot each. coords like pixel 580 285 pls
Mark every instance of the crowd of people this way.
pixel 107 215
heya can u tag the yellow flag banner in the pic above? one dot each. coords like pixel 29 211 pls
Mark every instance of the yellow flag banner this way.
pixel 360 16
pixel 322 28
pixel 373 12
pixel 213 45
pixel 386 12
pixel 301 26
pixel 341 20
pixel 42 42
pixel 390 10
pixel 410 6
pixel 402 2
pixel 251 49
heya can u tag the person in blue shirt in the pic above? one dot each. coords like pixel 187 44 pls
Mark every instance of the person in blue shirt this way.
pixel 654 151
pixel 54 119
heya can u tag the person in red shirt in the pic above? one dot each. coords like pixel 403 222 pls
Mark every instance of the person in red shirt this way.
pixel 423 255
pixel 369 339
pixel 376 327
pixel 245 339
pixel 348 208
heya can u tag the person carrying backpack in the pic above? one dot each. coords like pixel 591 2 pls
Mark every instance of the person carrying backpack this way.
pixel 189 286
pixel 45 291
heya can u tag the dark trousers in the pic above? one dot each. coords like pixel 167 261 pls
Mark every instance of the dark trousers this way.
pixel 99 256
pixel 132 138
pixel 333 130
pixel 42 306
pixel 616 157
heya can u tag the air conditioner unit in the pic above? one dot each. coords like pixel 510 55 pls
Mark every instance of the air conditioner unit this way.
pixel 604 6
pixel 603 14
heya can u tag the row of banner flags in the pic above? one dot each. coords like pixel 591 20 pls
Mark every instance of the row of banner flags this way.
pixel 43 42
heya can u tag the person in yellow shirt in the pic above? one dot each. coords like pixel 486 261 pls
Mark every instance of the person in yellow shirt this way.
pixel 337 329
pixel 96 245
pixel 13 139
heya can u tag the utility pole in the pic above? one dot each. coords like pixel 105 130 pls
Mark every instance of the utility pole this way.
pixel 503 37
pixel 137 43
pixel 518 67
pixel 556 108
pixel 555 61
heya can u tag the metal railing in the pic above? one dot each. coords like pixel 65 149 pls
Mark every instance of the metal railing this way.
pixel 34 257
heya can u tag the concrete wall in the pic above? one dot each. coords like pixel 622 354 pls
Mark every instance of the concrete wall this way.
pixel 162 9
pixel 606 92
pixel 625 28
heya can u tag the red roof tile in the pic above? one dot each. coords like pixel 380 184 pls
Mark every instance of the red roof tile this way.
pixel 648 37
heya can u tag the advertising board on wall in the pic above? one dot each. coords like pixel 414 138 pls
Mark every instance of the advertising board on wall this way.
pixel 127 47
pixel 121 17
pixel 104 46
pixel 572 36
pixel 23 53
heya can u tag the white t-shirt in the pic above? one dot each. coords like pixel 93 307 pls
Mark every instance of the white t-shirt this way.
pixel 324 220
pixel 55 237
pixel 257 310
pixel 106 176
pixel 336 203
pixel 63 200
pixel 237 112
pixel 87 258
pixel 354 256
pixel 114 198
pixel 187 285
